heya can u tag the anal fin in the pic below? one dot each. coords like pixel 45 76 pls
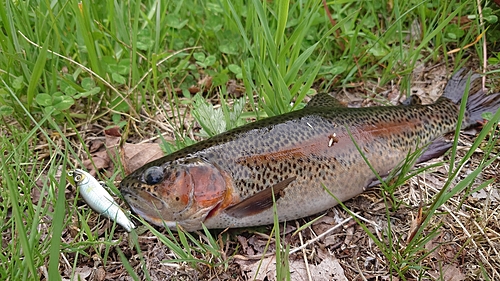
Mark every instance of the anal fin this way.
pixel 435 149
pixel 259 202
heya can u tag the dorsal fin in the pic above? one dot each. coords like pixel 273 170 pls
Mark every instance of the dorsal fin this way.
pixel 324 100
pixel 259 202
pixel 412 100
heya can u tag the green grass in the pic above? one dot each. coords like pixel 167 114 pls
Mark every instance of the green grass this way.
pixel 68 63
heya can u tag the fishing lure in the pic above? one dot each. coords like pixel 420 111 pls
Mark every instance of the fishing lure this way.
pixel 99 199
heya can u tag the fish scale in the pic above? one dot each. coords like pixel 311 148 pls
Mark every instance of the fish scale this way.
pixel 230 180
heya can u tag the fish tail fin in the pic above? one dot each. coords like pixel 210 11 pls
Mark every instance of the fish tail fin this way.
pixel 478 101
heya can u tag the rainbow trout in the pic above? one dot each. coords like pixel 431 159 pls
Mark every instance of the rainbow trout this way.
pixel 230 179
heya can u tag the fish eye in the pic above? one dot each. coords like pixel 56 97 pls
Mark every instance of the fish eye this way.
pixel 153 175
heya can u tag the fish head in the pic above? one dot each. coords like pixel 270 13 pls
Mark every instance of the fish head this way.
pixel 183 192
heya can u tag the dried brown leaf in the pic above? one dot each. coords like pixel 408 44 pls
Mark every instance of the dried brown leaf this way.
pixel 328 269
pixel 134 156
pixel 323 224
pixel 95 145
pixel 97 161
pixel 206 82
pixel 114 131
pixel 244 245
pixel 81 273
pixel 449 272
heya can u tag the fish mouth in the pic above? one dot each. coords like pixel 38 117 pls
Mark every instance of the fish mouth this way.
pixel 145 208
pixel 155 211
pixel 155 206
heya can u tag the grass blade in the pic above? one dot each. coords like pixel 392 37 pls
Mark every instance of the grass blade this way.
pixel 38 69
pixel 57 226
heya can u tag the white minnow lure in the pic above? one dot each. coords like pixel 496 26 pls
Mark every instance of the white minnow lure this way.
pixel 99 199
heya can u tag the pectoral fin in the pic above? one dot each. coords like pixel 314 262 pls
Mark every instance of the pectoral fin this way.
pixel 259 202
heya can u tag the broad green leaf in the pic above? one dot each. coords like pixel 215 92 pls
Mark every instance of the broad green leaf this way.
pixel 230 48
pixel 211 120
pixel 118 68
pixel 18 83
pixel 236 69
pixel 454 31
pixel 145 43
pixel 63 102
pixel 116 118
pixel 175 21
pixel 70 91
pixel 199 56
pixel 119 104
pixel 118 78
pixel 93 91
pixel 491 19
pixel 88 83
pixel 220 78
pixel 43 99
pixel 6 110
pixel 338 67
pixel 487 115
pixel 378 51
pixel 210 60
pixel 48 109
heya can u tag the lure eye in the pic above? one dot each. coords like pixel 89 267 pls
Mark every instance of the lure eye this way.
pixel 78 178
pixel 153 175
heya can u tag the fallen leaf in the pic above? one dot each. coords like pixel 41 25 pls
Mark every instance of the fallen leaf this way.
pixel 134 156
pixel 332 240
pixel 81 273
pixel 131 156
pixel 234 89
pixel 415 225
pixel 329 269
pixel 113 138
pixel 323 224
pixel 100 274
pixel 97 161
pixel 95 146
pixel 113 131
pixel 244 245
pixel 487 192
pixel 193 89
pixel 258 244
pixel 394 96
pixel 205 82
pixel 449 272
